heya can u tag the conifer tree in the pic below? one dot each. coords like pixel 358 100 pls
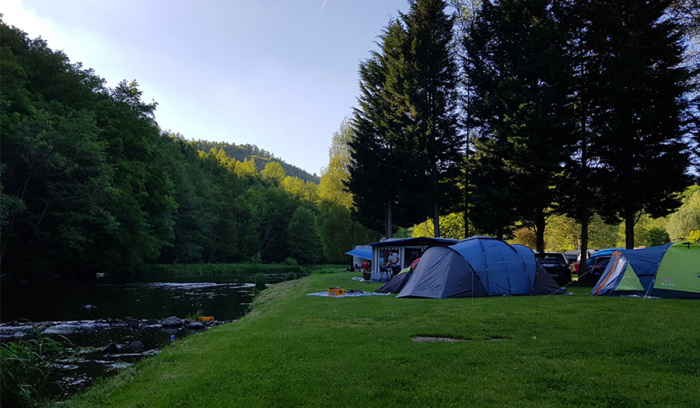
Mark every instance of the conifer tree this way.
pixel 521 75
pixel 430 87
pixel 377 159
pixel 638 91
pixel 406 145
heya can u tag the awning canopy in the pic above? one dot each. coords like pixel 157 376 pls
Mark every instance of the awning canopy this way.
pixel 419 241
pixel 365 253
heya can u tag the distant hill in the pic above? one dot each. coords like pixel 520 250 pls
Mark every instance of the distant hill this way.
pixel 261 156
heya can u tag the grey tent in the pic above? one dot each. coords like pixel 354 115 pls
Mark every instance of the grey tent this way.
pixel 396 283
pixel 479 266
pixel 443 273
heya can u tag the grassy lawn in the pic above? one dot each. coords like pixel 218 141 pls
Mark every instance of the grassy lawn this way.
pixel 298 350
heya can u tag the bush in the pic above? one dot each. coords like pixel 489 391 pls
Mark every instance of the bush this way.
pixel 290 261
pixel 260 281
pixel 24 369
pixel 195 316
pixel 256 259
pixel 290 276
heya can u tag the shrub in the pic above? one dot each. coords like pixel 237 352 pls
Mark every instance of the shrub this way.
pixel 290 261
pixel 260 281
pixel 24 369
pixel 195 316
pixel 290 276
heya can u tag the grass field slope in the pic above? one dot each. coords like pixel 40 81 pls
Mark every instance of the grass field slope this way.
pixel 295 350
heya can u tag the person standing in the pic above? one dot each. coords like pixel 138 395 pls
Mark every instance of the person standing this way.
pixel 393 264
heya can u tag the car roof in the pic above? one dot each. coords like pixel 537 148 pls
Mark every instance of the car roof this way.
pixel 604 252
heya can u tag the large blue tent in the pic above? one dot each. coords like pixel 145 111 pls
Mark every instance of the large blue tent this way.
pixel 478 266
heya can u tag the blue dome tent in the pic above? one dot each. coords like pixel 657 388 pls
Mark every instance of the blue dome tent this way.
pixel 476 267
pixel 666 271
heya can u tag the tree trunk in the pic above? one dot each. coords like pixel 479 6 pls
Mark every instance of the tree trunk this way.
pixel 539 232
pixel 388 219
pixel 466 180
pixel 584 244
pixel 436 206
pixel 629 229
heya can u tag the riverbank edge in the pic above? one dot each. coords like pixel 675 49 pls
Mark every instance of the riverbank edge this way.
pixel 299 350
pixel 104 387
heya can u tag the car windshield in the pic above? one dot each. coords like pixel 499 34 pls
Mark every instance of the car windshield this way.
pixel 552 259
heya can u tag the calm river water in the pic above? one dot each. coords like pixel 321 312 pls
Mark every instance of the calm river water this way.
pixel 90 316
pixel 225 300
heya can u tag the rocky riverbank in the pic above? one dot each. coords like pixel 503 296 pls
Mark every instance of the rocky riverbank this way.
pixel 98 348
pixel 14 330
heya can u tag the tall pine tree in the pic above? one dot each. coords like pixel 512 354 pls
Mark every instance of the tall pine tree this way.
pixel 431 102
pixel 520 72
pixel 406 145
pixel 379 155
pixel 638 92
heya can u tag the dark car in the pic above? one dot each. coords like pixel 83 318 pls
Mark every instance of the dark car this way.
pixel 557 265
pixel 595 266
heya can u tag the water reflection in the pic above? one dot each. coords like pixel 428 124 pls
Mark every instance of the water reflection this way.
pixel 140 300
pixel 90 316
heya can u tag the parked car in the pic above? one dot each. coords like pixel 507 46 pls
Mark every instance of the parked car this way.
pixel 574 258
pixel 557 265
pixel 595 266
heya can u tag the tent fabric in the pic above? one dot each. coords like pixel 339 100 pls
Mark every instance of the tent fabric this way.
pixel 395 284
pixel 478 266
pixel 443 273
pixel 667 271
pixel 499 266
pixel 419 241
pixel 364 253
pixel 545 284
pixel 612 276
pixel 645 261
pixel 542 281
pixel 531 262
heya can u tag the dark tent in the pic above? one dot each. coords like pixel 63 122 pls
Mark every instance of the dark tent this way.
pixel 479 266
pixel 544 284
pixel 395 284
pixel 443 273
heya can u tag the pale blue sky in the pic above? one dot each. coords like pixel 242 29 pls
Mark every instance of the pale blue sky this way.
pixel 278 74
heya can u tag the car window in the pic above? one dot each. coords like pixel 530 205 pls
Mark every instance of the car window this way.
pixel 557 259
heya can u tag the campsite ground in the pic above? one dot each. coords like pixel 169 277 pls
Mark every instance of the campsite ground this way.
pixel 298 350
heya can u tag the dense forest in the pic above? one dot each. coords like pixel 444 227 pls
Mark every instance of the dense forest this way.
pixel 90 183
pixel 261 157
pixel 512 117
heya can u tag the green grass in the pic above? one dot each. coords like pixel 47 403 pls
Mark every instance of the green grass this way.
pixel 217 269
pixel 298 350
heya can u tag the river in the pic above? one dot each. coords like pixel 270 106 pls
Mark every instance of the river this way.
pixel 109 324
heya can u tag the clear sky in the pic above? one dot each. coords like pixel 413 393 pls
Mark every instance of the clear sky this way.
pixel 280 74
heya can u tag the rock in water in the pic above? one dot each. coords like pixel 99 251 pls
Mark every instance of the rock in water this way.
pixel 111 349
pixel 195 326
pixel 136 346
pixel 172 321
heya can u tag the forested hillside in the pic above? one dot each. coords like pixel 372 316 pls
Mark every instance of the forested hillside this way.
pixel 260 156
pixel 90 183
